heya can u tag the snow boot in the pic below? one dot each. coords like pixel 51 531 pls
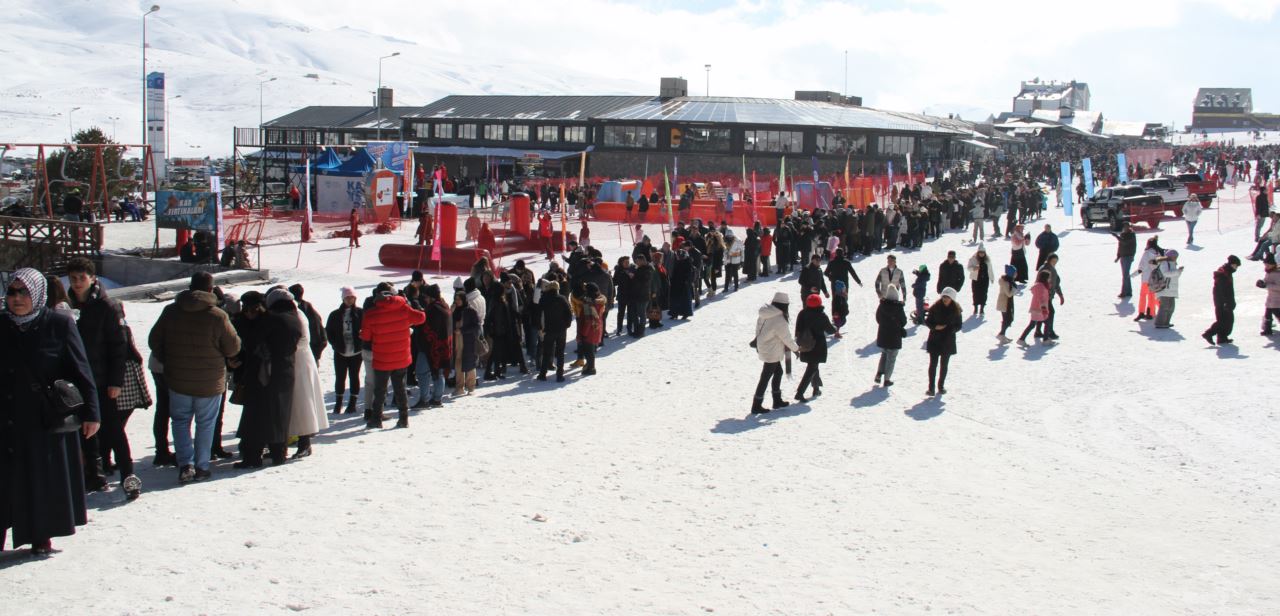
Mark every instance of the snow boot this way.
pixel 779 403
pixel 757 407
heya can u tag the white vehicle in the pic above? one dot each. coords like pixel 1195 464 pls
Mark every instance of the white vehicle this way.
pixel 1173 194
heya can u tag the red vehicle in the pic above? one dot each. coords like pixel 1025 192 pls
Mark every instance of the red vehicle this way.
pixel 1197 187
pixel 1120 204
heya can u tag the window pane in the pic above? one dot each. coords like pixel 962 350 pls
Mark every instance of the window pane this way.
pixel 518 133
pixel 466 131
pixel 444 131
pixel 493 132
pixel 548 133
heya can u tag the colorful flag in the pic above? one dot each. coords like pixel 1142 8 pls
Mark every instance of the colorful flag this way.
pixel 817 195
pixel 564 219
pixel 307 204
pixel 846 178
pixel 910 171
pixel 782 176
pixel 1065 186
pixel 667 185
pixel 744 177
pixel 889 189
pixel 1124 169
pixel 215 187
pixel 1088 177
pixel 754 216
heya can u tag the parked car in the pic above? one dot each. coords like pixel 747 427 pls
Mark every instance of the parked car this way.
pixel 1197 187
pixel 1173 194
pixel 1119 204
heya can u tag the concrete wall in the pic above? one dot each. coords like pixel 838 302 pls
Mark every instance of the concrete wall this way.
pixel 140 277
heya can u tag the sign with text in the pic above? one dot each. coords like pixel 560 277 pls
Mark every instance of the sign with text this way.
pixel 194 211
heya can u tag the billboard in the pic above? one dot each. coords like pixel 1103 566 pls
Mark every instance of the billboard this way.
pixel 179 209
pixel 155 122
pixel 389 154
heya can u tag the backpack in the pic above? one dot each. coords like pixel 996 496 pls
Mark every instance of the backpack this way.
pixel 805 341
pixel 1158 281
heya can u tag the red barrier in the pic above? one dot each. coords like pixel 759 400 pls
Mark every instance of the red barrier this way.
pixel 447 218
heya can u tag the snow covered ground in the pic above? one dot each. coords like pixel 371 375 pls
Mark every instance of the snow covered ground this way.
pixel 1123 471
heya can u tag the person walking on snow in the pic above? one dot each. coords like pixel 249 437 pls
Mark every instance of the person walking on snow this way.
pixel 772 342
pixel 1224 302
pixel 812 328
pixel 944 320
pixel 1004 301
pixel 1126 248
pixel 919 287
pixel 981 273
pixel 1271 282
pixel 1047 244
pixel 950 273
pixel 1167 269
pixel 1148 303
pixel 1191 213
pixel 1038 310
pixel 891 327
pixel 889 276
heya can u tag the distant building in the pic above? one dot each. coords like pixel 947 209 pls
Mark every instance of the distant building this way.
pixel 1229 108
pixel 1064 97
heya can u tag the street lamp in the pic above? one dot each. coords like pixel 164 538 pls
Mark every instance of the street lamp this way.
pixel 154 8
pixel 377 96
pixel 70 128
pixel 260 85
pixel 168 130
pixel 708 67
pixel 113 126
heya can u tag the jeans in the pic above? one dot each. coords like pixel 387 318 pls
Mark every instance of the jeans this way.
pixel 430 381
pixel 1126 287
pixel 1191 232
pixel 184 408
pixel 770 377
pixel 888 357
pixel 160 424
pixel 637 317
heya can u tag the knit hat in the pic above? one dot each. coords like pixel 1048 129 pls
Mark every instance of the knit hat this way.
pixel 813 301
pixel 348 292
pixel 416 276
pixel 923 268
pixel 891 293
pixel 1233 260
pixel 949 292
pixel 1171 254
pixel 457 283
pixel 278 295
pixel 781 298
pixel 1010 270
pixel 296 290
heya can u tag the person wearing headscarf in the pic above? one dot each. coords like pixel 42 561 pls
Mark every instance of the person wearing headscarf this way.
pixel 307 412
pixel 41 476
pixel 265 375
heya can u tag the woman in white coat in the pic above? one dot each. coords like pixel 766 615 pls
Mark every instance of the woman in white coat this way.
pixel 733 252
pixel 982 272
pixel 772 342
pixel 1147 300
pixel 307 417
pixel 1166 268
pixel 1191 213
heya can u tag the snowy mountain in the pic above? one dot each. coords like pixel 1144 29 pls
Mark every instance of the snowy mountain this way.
pixel 86 55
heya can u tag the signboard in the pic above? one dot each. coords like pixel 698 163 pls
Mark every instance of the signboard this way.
pixel 390 154
pixel 531 163
pixel 194 211
pixel 155 122
pixel 384 188
pixel 338 194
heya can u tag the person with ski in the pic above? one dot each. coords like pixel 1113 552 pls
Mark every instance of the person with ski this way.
pixel 944 319
pixel 1224 303
pixel 812 328
pixel 891 328
pixel 772 342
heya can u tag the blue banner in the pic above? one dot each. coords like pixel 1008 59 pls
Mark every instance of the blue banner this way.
pixel 1088 178
pixel 195 211
pixel 391 154
pixel 1065 187
pixel 1124 168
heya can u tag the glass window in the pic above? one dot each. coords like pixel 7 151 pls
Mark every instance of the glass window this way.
pixel 493 132
pixel 931 147
pixel 549 133
pixel 896 145
pixel 842 143
pixel 773 141
pixel 444 131
pixel 575 134
pixel 466 131
pixel 518 132
pixel 631 137
pixel 700 139
pixel 422 130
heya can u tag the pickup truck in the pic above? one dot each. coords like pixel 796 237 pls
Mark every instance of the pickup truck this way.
pixel 1119 204
pixel 1197 186
pixel 1173 194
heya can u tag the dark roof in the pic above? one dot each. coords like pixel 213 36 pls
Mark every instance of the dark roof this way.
pixel 319 116
pixel 1224 97
pixel 508 107
pixel 774 111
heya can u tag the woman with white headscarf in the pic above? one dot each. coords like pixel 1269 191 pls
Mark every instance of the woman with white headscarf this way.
pixel 41 477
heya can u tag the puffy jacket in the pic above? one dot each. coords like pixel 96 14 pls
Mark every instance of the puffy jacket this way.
pixel 943 341
pixel 193 339
pixel 950 274
pixel 1172 272
pixel 101 326
pixel 591 320
pixel 1047 241
pixel 891 321
pixel 974 269
pixel 1224 288
pixel 1004 299
pixel 333 329
pixel 1272 282
pixel 886 277
pixel 1039 308
pixel 1191 210
pixel 733 256
pixel 386 326
pixel 773 337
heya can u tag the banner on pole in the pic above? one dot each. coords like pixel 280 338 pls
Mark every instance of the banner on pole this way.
pixel 1064 187
pixel 193 211
pixel 155 123
pixel 215 187
pixel 1088 178
pixel 1123 167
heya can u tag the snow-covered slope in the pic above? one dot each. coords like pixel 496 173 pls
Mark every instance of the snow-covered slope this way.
pixel 56 56
pixel 1124 471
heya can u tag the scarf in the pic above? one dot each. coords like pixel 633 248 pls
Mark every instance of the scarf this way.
pixel 36 287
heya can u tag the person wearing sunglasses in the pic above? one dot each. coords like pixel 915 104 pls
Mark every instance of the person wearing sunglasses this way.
pixel 41 477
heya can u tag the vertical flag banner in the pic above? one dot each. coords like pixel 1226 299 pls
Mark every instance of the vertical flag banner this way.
pixel 910 171
pixel 215 187
pixel 754 215
pixel 408 183
pixel 564 219
pixel 1088 178
pixel 675 174
pixel 782 176
pixel 1065 187
pixel 744 178
pixel 846 179
pixel 667 185
pixel 306 205
pixel 816 193
pixel 582 171
pixel 1123 167
pixel 889 190
pixel 155 123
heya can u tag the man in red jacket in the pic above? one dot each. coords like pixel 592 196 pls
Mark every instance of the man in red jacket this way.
pixel 386 327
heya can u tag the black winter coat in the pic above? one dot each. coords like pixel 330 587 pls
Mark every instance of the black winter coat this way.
pixel 841 269
pixel 333 329
pixel 1224 289
pixel 41 476
pixel 101 326
pixel 819 326
pixel 950 275
pixel 811 278
pixel 891 319
pixel 557 315
pixel 943 341
pixel 267 373
pixel 642 284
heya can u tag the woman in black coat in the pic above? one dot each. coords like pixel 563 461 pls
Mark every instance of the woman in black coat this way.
pixel 751 255
pixel 264 379
pixel 943 321
pixel 891 321
pixel 812 326
pixel 41 476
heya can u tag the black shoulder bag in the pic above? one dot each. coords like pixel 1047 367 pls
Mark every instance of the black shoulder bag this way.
pixel 60 403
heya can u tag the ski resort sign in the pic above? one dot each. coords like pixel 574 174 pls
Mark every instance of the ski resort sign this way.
pixel 193 211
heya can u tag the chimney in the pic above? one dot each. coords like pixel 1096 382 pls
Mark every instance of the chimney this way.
pixel 385 97
pixel 673 87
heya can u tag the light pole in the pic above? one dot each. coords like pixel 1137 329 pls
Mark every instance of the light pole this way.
pixel 377 95
pixel 154 8
pixel 260 85
pixel 113 126
pixel 708 67
pixel 168 130
pixel 71 129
